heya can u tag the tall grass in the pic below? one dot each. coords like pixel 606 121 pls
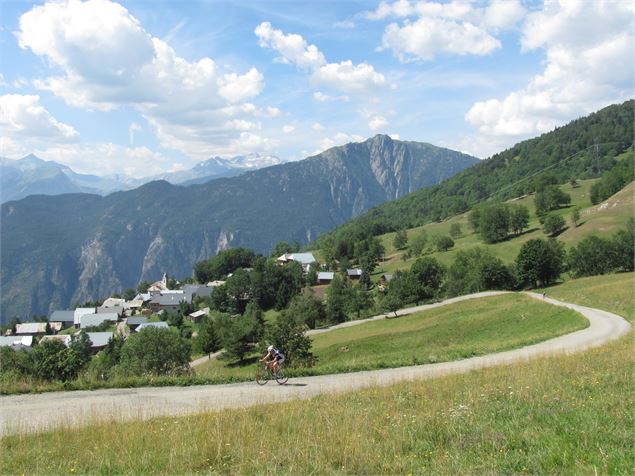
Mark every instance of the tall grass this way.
pixel 564 415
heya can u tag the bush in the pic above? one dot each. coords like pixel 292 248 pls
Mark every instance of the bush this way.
pixel 444 243
pixel 477 270
pixel 550 198
pixel 155 351
pixel 592 256
pixel 554 224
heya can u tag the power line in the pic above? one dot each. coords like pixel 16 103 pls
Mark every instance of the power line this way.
pixel 595 146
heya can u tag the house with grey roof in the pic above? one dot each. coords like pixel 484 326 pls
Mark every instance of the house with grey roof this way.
pixel 82 311
pixel 31 328
pixel 113 302
pixel 200 290
pixel 66 318
pixel 159 325
pixel 305 259
pixel 197 316
pixel 354 273
pixel 92 320
pixel 166 302
pixel 119 310
pixel 135 321
pixel 16 342
pixel 99 340
pixel 325 277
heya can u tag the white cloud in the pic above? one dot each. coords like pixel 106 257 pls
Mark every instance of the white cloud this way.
pixel 588 48
pixel 343 76
pixel 288 128
pixel 455 28
pixel 321 97
pixel 377 123
pixel 340 138
pixel 107 60
pixel 349 78
pixel 316 126
pixel 292 48
pixel 24 120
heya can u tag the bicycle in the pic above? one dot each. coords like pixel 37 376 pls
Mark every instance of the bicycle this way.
pixel 264 373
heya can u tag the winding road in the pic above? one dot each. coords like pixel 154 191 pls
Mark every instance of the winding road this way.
pixel 39 412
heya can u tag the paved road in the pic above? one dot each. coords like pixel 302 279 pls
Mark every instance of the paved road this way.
pixel 33 413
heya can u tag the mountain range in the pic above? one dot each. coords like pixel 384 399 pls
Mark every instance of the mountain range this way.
pixel 34 176
pixel 59 250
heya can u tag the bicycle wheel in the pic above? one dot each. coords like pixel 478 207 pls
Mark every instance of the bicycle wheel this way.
pixel 262 375
pixel 280 377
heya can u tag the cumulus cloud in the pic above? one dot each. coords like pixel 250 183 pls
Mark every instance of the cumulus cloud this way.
pixel 377 122
pixel 288 128
pixel 321 97
pixel 292 48
pixel 24 120
pixel 108 60
pixel 344 76
pixel 587 46
pixel 455 28
pixel 340 138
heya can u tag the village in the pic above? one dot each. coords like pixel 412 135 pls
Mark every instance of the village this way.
pixel 146 309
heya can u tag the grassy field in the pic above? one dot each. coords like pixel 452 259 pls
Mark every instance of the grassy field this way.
pixel 561 415
pixel 603 219
pixel 450 332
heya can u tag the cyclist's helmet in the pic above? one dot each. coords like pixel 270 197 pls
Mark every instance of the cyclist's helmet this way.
pixel 270 348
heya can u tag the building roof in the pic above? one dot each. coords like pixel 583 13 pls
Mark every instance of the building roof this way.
pixel 64 338
pixel 200 290
pixel 31 328
pixel 90 320
pixel 303 258
pixel 201 313
pixel 137 320
pixel 171 299
pixel 100 339
pixel 160 325
pixel 62 316
pixel 215 284
pixel 324 275
pixel 13 341
pixel 354 272
pixel 113 309
pixel 112 302
pixel 134 304
pixel 143 297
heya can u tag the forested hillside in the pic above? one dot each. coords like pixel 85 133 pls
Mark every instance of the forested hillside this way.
pixel 584 148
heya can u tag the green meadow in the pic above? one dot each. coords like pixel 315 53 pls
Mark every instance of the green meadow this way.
pixel 451 332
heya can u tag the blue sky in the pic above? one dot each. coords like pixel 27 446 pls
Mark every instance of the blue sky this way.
pixel 147 87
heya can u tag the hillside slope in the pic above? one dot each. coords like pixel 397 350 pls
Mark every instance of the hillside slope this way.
pixel 557 156
pixel 72 248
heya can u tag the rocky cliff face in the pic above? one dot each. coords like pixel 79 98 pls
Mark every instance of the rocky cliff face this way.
pixel 71 248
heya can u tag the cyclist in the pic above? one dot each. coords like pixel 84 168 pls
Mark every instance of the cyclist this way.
pixel 275 356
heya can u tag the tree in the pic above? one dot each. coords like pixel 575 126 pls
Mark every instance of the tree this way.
pixel 518 218
pixel 154 351
pixel 129 294
pixel 358 300
pixel 143 287
pixel 623 250
pixel 208 339
pixel 554 224
pixel 52 360
pixel 592 256
pixel 282 247
pixel 307 309
pixel 400 240
pixel 475 270
pixel 550 198
pixel 391 302
pixel 288 335
pixel 575 216
pixel 336 296
pixel 429 274
pixel 444 243
pixel 455 231
pixel 494 223
pixel 223 263
pixel 418 243
pixel 404 287
pixel 238 334
pixel 539 262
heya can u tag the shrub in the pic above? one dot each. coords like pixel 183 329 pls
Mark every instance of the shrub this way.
pixel 554 224
pixel 444 243
pixel 155 351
